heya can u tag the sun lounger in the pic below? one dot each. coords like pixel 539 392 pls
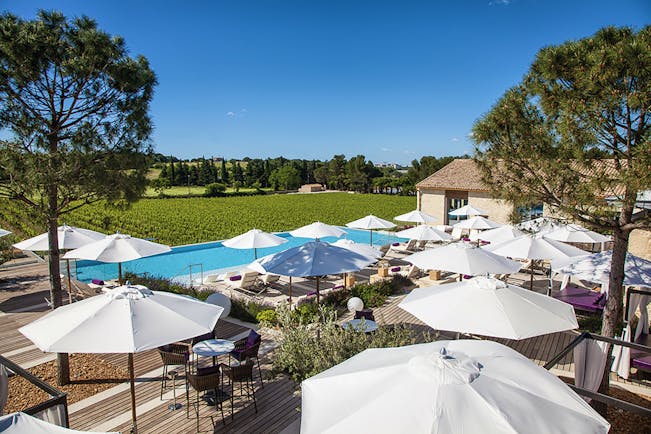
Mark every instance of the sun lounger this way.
pixel 456 233
pixel 408 247
pixel 582 299
pixel 640 359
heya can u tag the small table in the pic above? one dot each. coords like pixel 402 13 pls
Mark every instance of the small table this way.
pixel 355 324
pixel 213 348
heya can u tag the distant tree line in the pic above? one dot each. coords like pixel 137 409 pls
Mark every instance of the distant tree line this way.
pixel 354 174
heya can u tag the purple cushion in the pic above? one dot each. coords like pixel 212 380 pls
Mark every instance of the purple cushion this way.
pixel 311 293
pixel 395 269
pixel 467 276
pixel 252 339
pixel 208 370
pixel 643 363
pixel 580 298
pixel 395 244
pixel 234 278
pixel 601 300
pixel 97 282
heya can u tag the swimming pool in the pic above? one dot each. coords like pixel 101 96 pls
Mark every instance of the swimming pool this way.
pixel 187 262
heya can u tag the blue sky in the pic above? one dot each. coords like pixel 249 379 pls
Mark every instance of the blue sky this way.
pixel 392 80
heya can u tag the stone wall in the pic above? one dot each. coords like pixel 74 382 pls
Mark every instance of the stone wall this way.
pixel 498 210
pixel 433 202
pixel 639 244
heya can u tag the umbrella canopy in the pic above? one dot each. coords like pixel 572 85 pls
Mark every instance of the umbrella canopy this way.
pixel 576 234
pixel 22 423
pixel 424 233
pixel 361 248
pixel 477 223
pixel 497 235
pixel 464 259
pixel 254 239
pixel 535 247
pixel 312 259
pixel 4 232
pixel 69 238
pixel 468 211
pixel 117 248
pixel 540 225
pixel 317 230
pixel 127 319
pixel 596 268
pixel 416 216
pixel 464 386
pixel 489 307
pixel 371 222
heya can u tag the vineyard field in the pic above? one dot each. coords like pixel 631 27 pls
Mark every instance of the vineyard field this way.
pixel 177 221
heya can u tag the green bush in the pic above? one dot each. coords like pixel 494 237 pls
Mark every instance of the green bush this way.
pixel 267 317
pixel 215 189
pixel 246 311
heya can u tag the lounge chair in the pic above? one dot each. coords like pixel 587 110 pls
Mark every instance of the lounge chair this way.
pixel 222 277
pixel 409 247
pixel 582 299
pixel 268 279
pixel 456 233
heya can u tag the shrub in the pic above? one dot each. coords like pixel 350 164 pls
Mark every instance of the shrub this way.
pixel 246 311
pixel 215 189
pixel 267 317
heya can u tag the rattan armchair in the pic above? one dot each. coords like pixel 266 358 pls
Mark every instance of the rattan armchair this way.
pixel 242 374
pixel 209 379
pixel 241 353
pixel 173 355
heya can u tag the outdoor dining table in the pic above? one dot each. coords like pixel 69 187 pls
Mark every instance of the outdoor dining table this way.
pixel 355 324
pixel 213 348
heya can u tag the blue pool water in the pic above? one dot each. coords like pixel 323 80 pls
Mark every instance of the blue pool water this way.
pixel 213 257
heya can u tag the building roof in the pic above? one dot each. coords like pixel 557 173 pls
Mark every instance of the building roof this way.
pixel 459 174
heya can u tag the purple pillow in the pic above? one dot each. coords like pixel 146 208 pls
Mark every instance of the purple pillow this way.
pixel 467 276
pixel 395 269
pixel 234 278
pixel 252 339
pixel 97 282
pixel 395 244
pixel 600 299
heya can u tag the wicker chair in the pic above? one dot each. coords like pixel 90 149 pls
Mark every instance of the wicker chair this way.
pixel 173 355
pixel 242 374
pixel 209 379
pixel 241 353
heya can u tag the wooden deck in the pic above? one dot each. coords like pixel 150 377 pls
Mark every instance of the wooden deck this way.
pixel 21 301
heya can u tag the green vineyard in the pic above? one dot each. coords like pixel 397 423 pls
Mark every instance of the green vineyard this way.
pixel 185 221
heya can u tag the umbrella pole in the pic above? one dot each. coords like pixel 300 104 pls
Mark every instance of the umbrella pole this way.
pixel 255 253
pixel 317 290
pixel 69 282
pixel 371 237
pixel 290 292
pixel 119 273
pixel 132 380
pixel 531 278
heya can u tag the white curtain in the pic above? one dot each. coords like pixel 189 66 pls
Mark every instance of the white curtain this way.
pixel 622 355
pixel 53 415
pixel 589 363
pixel 565 281
pixel 640 301
pixel 4 388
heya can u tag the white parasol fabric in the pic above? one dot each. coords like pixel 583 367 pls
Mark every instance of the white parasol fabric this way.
pixel 371 222
pixel 4 232
pixel 424 233
pixel 361 248
pixel 469 211
pixel 576 234
pixel 478 222
pixel 128 319
pixel 497 235
pixel 69 238
pixel 489 307
pixel 596 268
pixel 535 247
pixel 22 423
pixel 254 239
pixel 416 216
pixel 464 259
pixel 317 230
pixel 540 225
pixel 462 387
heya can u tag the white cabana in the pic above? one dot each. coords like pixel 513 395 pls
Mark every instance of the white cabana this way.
pixel 415 216
pixel 127 319
pixel 312 259
pixel 489 307
pixel 117 248
pixel 477 223
pixel 22 423
pixel 463 259
pixel 424 233
pixel 371 222
pixel 497 235
pixel 468 211
pixel 254 239
pixel 461 387
pixel 317 230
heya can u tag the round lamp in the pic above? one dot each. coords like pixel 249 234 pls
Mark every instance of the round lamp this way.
pixel 355 304
pixel 220 299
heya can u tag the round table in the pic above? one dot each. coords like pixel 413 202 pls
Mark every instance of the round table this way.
pixel 213 347
pixel 355 324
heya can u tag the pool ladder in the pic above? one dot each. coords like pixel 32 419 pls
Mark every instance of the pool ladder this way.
pixel 190 267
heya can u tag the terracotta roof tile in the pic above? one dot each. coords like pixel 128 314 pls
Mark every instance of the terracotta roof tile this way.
pixel 459 174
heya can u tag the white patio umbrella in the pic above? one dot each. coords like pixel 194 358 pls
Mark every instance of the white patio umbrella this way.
pixel 478 222
pixel 317 230
pixel 489 307
pixel 254 239
pixel 424 233
pixel 461 387
pixel 416 216
pixel 371 222
pixel 468 211
pixel 534 247
pixel 128 319
pixel 4 232
pixel 540 225
pixel 22 423
pixel 361 248
pixel 117 248
pixel 497 235
pixel 69 237
pixel 311 259
pixel 596 268
pixel 463 259
pixel 573 233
